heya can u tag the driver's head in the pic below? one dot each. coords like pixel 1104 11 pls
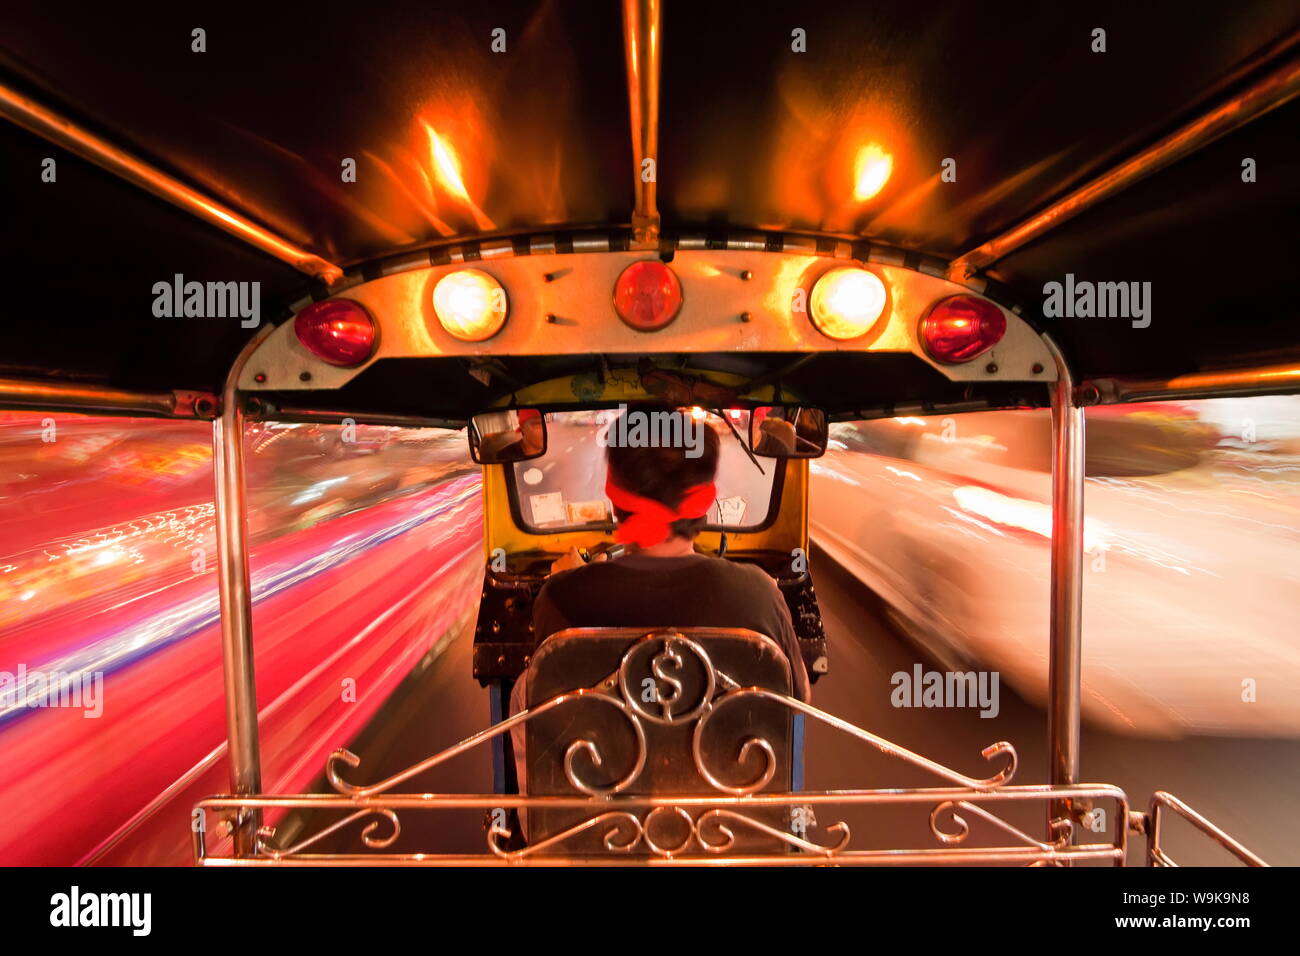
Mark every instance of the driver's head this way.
pixel 657 452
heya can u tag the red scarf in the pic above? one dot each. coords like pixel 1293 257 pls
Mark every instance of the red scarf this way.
pixel 650 519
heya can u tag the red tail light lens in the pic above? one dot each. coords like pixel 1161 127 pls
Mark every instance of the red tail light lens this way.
pixel 337 331
pixel 647 295
pixel 961 327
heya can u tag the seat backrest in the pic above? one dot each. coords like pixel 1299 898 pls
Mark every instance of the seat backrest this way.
pixel 660 691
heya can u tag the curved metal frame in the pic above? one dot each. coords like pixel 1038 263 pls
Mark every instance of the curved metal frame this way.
pixel 1065 634
pixel 236 598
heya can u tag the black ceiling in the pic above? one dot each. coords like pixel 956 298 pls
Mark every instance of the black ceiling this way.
pixel 753 135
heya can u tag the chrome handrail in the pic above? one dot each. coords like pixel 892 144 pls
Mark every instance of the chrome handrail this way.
pixel 712 818
pixel 634 817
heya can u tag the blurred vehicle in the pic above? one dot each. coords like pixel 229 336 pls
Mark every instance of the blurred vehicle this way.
pixel 363 560
pixel 1191 531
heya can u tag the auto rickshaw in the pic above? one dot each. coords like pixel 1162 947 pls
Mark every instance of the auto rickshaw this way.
pixel 677 745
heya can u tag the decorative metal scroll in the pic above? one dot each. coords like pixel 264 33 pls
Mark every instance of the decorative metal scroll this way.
pixel 698 827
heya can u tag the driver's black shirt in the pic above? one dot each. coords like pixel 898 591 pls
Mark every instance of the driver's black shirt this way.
pixel 694 590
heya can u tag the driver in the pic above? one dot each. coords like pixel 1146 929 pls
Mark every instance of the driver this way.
pixel 661 497
pixel 776 437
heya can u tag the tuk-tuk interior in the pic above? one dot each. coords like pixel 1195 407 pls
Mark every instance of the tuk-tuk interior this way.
pixel 785 259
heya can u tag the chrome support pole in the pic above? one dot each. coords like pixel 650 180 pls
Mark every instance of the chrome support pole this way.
pixel 237 600
pixel 1065 627
pixel 641 35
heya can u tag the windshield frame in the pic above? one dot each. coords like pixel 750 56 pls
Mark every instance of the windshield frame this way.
pixel 516 511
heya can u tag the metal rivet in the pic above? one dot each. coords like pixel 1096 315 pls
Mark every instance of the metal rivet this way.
pixel 1038 368
pixel 745 316
pixel 259 378
pixel 548 277
pixel 552 319
pixel 304 377
pixel 746 275
pixel 991 368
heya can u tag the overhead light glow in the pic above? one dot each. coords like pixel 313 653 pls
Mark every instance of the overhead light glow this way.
pixel 445 164
pixel 871 171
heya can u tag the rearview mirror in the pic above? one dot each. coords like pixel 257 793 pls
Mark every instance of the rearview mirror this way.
pixel 514 434
pixel 788 431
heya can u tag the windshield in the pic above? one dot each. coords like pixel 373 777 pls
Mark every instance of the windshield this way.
pixel 564 490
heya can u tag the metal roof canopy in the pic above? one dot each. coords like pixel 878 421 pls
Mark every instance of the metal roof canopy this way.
pixel 752 135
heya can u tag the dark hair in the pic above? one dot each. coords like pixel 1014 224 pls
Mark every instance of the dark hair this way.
pixel 664 473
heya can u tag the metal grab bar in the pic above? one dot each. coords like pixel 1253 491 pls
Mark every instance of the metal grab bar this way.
pixel 94 399
pixel 1271 91
pixel 62 131
pixel 1260 380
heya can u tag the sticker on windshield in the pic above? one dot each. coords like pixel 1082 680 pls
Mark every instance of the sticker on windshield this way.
pixel 548 508
pixel 731 510
pixel 588 512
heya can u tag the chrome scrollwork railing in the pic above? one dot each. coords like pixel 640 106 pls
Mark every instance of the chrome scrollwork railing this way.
pixel 700 826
